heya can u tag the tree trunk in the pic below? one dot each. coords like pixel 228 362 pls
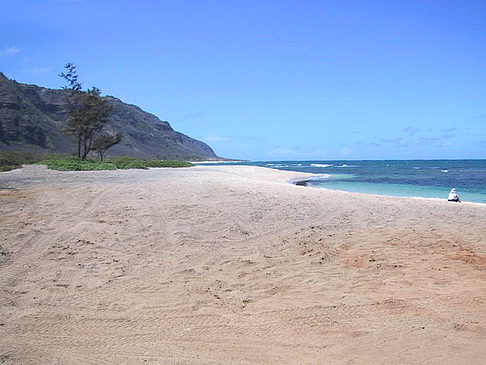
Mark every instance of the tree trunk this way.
pixel 85 149
pixel 79 145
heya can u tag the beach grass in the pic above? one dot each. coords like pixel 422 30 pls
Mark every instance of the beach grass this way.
pixel 75 164
pixel 127 162
pixel 14 160
pixel 11 160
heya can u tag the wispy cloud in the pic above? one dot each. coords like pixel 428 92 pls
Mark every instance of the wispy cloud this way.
pixel 346 151
pixel 214 138
pixel 368 144
pixel 400 142
pixel 37 70
pixel 234 139
pixel 411 130
pixel 391 140
pixel 297 153
pixel 9 51
pixel 446 130
pixel 71 1
pixel 281 152
pixel 193 115
pixel 448 135
pixel 321 153
pixel 429 139
pixel 422 141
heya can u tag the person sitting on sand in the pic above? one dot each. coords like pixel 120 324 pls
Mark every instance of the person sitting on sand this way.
pixel 453 197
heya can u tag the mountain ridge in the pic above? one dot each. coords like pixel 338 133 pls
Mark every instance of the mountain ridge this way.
pixel 31 118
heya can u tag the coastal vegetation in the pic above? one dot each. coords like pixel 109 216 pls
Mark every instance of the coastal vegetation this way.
pixel 126 162
pixel 88 112
pixel 14 160
pixel 105 142
pixel 85 113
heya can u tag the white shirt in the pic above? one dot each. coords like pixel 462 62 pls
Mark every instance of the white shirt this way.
pixel 452 196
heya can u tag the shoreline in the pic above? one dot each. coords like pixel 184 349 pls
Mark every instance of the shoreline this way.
pixel 424 178
pixel 304 183
pixel 38 174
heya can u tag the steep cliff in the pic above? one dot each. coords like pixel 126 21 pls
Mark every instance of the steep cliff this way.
pixel 31 118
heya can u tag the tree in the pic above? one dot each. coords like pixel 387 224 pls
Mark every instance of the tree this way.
pixel 73 103
pixel 94 115
pixel 88 111
pixel 103 142
pixel 71 77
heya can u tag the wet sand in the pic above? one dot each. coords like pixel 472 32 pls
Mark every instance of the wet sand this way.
pixel 234 265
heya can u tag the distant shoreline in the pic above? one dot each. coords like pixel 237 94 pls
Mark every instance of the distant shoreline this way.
pixel 430 179
pixel 37 175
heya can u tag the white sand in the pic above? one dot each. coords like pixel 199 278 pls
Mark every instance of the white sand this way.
pixel 233 265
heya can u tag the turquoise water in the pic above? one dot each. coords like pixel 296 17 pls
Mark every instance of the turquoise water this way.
pixel 408 178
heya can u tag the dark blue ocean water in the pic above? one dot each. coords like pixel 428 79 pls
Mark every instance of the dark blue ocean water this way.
pixel 411 178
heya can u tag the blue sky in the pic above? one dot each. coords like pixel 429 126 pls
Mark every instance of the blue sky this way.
pixel 273 80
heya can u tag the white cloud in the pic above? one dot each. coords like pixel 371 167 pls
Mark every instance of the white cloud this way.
pixel 9 52
pixel 319 153
pixel 346 151
pixel 214 138
pixel 37 70
pixel 282 152
pixel 193 115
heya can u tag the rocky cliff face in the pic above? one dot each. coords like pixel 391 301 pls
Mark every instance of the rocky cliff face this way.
pixel 31 118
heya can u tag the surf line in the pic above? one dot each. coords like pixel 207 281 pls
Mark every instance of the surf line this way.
pixel 300 181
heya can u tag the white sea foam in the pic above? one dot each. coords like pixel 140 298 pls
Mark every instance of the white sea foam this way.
pixel 320 177
pixel 444 170
pixel 320 165
pixel 315 179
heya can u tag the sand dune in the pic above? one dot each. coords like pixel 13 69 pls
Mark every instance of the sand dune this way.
pixel 233 265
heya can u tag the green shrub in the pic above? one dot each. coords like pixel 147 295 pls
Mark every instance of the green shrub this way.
pixel 104 166
pixel 123 161
pixel 135 165
pixel 126 162
pixel 14 159
pixel 76 164
pixel 166 163
pixel 4 168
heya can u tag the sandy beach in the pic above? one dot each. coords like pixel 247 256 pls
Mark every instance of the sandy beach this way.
pixel 234 265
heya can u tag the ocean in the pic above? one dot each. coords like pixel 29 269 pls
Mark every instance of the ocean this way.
pixel 406 178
